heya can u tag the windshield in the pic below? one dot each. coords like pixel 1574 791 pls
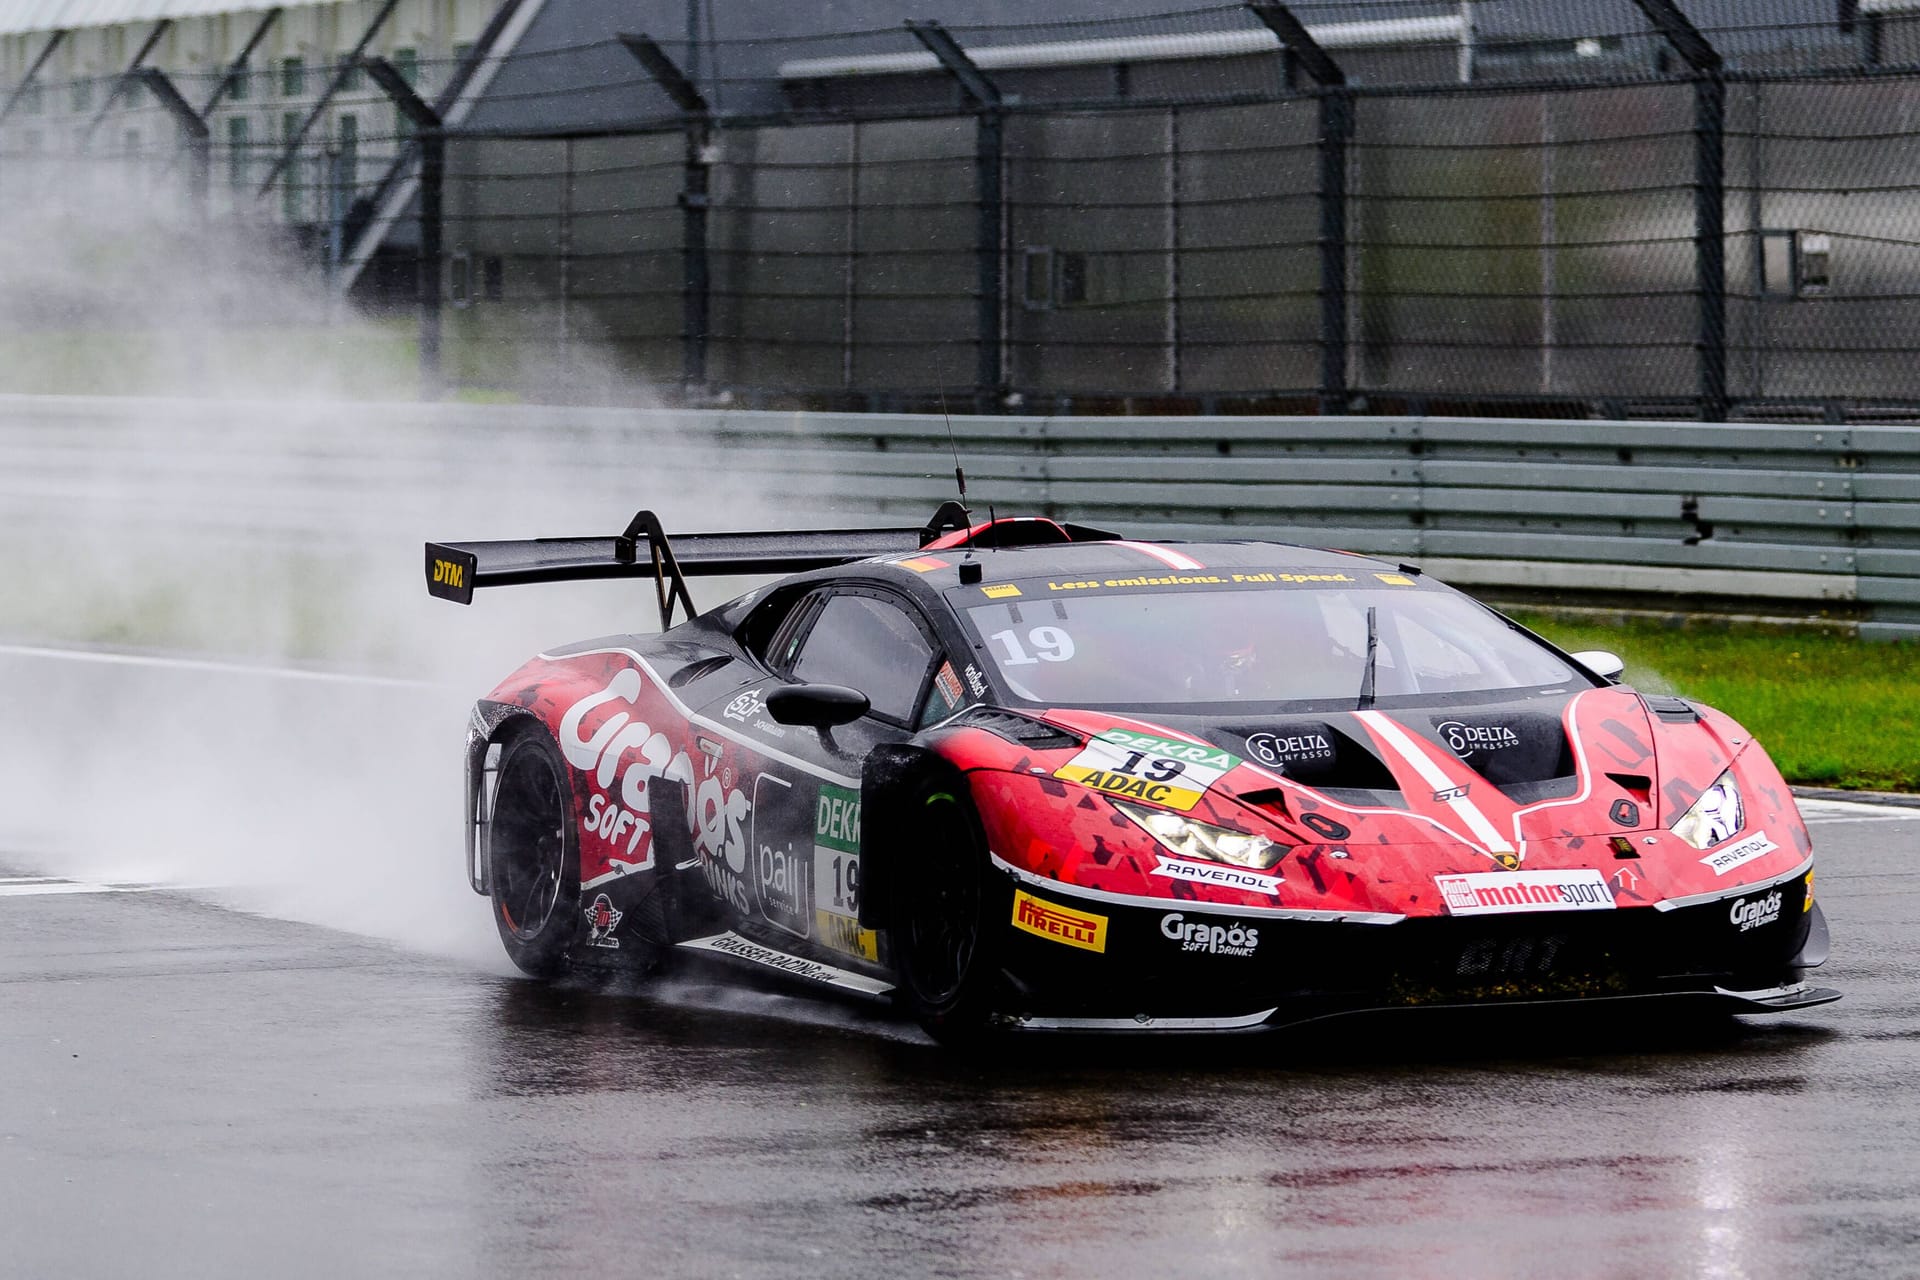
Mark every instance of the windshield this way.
pixel 1293 644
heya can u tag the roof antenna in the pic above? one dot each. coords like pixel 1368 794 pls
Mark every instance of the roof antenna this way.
pixel 970 569
pixel 959 476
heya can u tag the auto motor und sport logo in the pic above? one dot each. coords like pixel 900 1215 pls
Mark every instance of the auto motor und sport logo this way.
pixel 1488 893
pixel 1465 739
pixel 1059 924
pixel 1751 913
pixel 1234 939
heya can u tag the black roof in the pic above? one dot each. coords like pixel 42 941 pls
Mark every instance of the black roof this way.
pixel 569 72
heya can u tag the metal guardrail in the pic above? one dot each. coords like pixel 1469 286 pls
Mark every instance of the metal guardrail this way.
pixel 1758 518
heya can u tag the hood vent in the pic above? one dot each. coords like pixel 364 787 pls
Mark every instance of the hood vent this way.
pixel 1671 709
pixel 1014 727
pixel 1314 754
pixel 1524 753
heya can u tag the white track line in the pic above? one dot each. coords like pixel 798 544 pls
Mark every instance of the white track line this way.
pixel 1855 811
pixel 51 888
pixel 169 663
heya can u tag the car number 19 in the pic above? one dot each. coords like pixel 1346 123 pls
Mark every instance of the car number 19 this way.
pixel 1050 644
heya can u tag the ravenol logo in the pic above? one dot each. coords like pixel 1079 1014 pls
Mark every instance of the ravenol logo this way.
pixel 1048 920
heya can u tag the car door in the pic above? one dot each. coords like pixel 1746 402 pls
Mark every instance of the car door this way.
pixel 799 876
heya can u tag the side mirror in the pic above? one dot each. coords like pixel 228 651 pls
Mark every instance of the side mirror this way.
pixel 1607 666
pixel 820 706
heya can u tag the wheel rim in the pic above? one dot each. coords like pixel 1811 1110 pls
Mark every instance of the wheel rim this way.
pixel 529 845
pixel 944 924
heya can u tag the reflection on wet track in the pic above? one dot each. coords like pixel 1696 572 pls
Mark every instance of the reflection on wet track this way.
pixel 194 1091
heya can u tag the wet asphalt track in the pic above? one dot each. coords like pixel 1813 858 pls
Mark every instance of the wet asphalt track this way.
pixel 190 1091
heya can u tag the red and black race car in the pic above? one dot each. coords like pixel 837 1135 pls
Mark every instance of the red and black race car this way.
pixel 1026 774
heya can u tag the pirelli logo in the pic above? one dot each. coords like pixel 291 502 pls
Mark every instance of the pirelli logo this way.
pixel 1048 920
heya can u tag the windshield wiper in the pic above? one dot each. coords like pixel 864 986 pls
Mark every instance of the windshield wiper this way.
pixel 1373 647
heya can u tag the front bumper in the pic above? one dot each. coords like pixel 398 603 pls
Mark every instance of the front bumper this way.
pixel 1088 961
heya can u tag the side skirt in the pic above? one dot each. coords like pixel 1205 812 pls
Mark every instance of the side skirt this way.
pixel 743 951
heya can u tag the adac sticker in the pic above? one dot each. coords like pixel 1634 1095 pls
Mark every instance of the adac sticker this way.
pixel 1142 766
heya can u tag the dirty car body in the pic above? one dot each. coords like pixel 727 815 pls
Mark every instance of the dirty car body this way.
pixel 1027 775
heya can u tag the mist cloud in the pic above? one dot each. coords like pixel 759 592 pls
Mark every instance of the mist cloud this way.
pixel 256 488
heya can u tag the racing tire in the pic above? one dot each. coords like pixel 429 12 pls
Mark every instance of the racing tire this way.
pixel 947 906
pixel 533 855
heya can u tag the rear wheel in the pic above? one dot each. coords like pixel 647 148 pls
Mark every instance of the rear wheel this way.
pixel 947 908
pixel 533 859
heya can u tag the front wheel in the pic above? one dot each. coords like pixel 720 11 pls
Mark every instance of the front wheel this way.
pixel 533 857
pixel 948 910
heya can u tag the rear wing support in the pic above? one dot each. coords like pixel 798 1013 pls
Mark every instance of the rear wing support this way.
pixel 669 584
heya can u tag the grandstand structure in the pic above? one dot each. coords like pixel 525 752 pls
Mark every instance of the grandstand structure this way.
pixel 1559 206
pixel 295 131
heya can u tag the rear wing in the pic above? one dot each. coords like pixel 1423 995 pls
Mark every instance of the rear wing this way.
pixel 456 569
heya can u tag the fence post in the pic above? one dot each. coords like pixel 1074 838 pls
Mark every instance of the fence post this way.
pixel 433 150
pixel 989 152
pixel 1336 132
pixel 334 192
pixel 696 186
pixel 199 136
pixel 989 156
pixel 1710 214
pixel 1709 196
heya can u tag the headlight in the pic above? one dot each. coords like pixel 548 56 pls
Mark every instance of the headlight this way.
pixel 1190 839
pixel 1715 817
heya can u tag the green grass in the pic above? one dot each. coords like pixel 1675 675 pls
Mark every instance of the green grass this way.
pixel 1831 710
